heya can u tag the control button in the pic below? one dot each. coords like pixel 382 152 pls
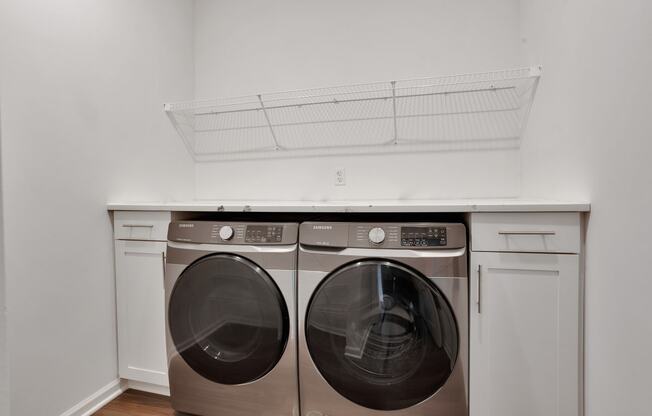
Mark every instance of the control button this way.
pixel 226 232
pixel 377 235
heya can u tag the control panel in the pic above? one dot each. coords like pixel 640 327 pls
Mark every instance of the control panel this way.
pixel 423 236
pixel 263 234
pixel 212 232
pixel 413 236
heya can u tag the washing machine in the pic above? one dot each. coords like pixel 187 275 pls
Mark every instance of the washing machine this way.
pixel 383 319
pixel 231 318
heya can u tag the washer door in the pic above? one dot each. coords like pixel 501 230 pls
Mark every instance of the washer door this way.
pixel 381 334
pixel 228 319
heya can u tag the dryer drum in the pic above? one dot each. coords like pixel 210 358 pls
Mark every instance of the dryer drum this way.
pixel 381 334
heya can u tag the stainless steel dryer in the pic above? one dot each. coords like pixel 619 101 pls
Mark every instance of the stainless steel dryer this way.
pixel 230 296
pixel 383 319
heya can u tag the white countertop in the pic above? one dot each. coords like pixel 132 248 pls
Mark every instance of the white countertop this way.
pixel 461 205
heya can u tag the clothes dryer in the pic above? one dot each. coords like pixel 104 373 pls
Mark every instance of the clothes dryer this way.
pixel 383 319
pixel 230 296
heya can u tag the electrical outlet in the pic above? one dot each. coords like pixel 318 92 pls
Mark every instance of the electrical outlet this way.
pixel 340 177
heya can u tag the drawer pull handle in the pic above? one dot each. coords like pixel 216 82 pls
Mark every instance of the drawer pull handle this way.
pixel 526 233
pixel 139 225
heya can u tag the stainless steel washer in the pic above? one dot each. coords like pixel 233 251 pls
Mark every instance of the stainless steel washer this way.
pixel 230 296
pixel 383 319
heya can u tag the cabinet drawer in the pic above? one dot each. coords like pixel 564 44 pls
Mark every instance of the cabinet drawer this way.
pixel 141 225
pixel 557 232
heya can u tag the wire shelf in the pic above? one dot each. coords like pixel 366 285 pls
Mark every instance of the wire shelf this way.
pixel 462 112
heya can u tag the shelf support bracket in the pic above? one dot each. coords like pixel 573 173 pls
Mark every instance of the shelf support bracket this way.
pixel 269 123
pixel 394 111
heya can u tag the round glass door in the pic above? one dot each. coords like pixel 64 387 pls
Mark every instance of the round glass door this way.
pixel 381 334
pixel 228 319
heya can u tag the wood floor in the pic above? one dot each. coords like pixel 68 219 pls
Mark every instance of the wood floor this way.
pixel 137 403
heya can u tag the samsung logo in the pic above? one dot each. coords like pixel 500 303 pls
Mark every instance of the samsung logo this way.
pixel 186 225
pixel 322 227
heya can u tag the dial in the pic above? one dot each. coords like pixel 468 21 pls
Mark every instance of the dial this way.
pixel 226 232
pixel 377 235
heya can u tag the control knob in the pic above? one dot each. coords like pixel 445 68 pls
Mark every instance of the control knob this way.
pixel 226 232
pixel 377 235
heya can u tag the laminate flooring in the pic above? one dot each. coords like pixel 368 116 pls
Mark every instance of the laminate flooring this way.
pixel 137 403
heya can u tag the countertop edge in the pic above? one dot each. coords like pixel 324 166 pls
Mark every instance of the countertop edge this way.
pixel 358 206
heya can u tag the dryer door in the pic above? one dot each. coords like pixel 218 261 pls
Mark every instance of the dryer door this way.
pixel 228 319
pixel 381 334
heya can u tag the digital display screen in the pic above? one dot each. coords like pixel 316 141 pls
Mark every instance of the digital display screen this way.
pixel 423 236
pixel 264 234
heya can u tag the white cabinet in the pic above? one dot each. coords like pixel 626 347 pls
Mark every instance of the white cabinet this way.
pixel 140 268
pixel 525 327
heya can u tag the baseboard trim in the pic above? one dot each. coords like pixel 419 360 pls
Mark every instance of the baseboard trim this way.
pixel 148 387
pixel 95 401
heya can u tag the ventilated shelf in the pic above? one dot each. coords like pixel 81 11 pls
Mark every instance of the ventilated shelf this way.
pixel 462 112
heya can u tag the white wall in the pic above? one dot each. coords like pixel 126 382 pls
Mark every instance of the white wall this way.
pixel 591 137
pixel 82 123
pixel 4 373
pixel 253 46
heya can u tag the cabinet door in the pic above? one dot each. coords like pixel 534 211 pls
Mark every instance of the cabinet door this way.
pixel 524 334
pixel 141 310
